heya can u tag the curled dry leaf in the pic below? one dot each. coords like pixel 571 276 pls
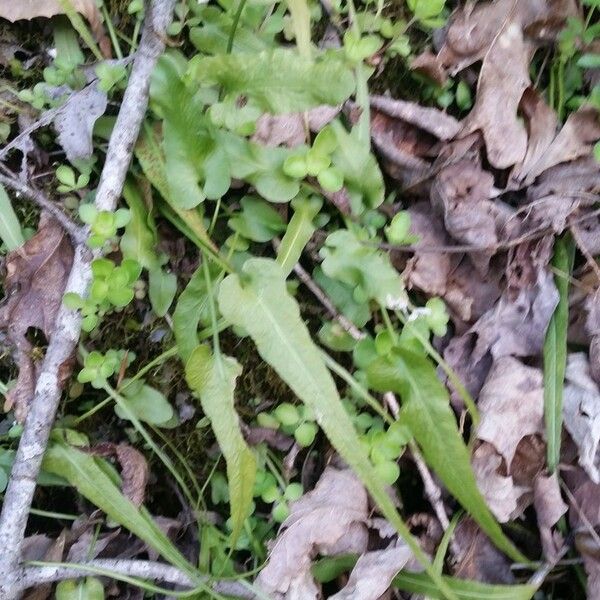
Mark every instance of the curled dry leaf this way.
pixel 74 124
pixel 511 405
pixel 581 408
pixel 549 508
pixel 36 275
pixel 134 469
pixel 373 573
pixel 334 513
pixel 30 9
pixel 479 559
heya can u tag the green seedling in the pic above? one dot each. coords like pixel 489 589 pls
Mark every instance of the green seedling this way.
pixel 68 182
pixel 103 223
pixel 99 367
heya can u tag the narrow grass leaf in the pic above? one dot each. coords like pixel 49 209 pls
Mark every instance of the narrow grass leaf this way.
pixel 85 473
pixel 10 229
pixel 555 351
pixel 259 302
pixel 298 232
pixel 213 377
pixel 426 410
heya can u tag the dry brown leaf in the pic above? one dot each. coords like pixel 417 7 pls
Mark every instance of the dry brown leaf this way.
pixel 134 468
pixel 480 559
pixel 74 124
pixel 463 193
pixel 498 489
pixel 511 405
pixel 36 276
pixel 31 9
pixel 335 511
pixel 373 573
pixel 54 553
pixel 576 139
pixel 549 507
pixel 291 129
pixel 503 78
pixel 581 408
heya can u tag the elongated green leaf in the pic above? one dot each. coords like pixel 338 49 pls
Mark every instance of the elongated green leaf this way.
pixel 555 352
pixel 327 569
pixel 84 472
pixel 213 379
pixel 10 229
pixel 258 302
pixel 465 589
pixel 298 232
pixel 192 303
pixel 278 81
pixel 139 240
pixel 426 410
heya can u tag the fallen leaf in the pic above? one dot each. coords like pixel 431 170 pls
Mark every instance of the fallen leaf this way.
pixel 291 129
pixel 36 275
pixel 30 9
pixel 337 508
pixel 511 406
pixel 549 508
pixel 498 489
pixel 581 408
pixel 463 193
pixel 374 571
pixel 54 553
pixel 479 559
pixel 74 124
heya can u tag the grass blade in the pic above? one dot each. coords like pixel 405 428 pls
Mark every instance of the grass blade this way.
pixel 10 229
pixel 555 351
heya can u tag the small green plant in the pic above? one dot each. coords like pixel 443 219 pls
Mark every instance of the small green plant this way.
pixel 103 223
pixel 68 181
pixel 98 367
pixel 112 287
pixel 317 162
pixel 295 420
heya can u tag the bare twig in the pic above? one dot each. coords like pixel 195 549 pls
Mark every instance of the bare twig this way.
pixel 328 305
pixel 32 576
pixel 28 460
pixel 11 181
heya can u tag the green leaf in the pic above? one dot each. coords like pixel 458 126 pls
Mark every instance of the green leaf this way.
pixel 191 308
pixel 258 301
pixel 213 379
pixel 298 232
pixel 258 221
pixel 426 411
pixel 589 61
pixel 139 240
pixel 188 138
pixel 426 9
pixel 162 287
pixel 362 177
pixel 10 229
pixel 465 589
pixel 555 351
pixel 278 81
pixel 86 473
pixel 364 268
pixel 145 402
pixel 89 588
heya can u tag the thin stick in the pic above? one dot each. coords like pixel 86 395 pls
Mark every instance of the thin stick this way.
pixel 32 576
pixel 67 329
pixel 10 180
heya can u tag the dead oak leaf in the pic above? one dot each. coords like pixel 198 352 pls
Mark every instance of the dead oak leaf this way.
pixel 581 408
pixel 549 508
pixel 511 404
pixel 36 275
pixel 335 511
pixel 374 571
